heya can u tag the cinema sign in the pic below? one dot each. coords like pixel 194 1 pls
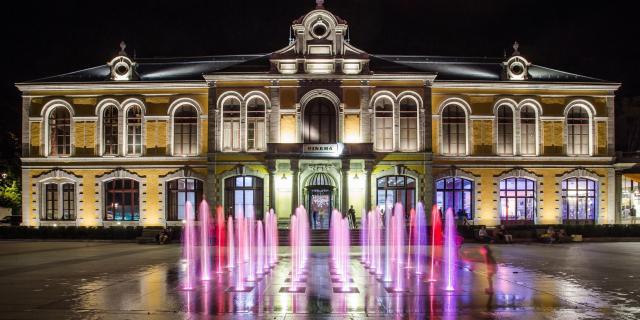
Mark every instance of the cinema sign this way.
pixel 322 148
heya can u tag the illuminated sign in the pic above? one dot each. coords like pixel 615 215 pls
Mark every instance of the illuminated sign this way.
pixel 329 148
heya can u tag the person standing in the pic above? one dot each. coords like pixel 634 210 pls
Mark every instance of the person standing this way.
pixel 491 264
pixel 352 217
pixel 632 214
pixel 314 217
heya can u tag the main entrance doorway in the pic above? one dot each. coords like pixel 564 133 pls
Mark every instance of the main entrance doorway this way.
pixel 320 192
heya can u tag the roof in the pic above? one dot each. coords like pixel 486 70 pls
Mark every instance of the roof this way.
pixel 193 69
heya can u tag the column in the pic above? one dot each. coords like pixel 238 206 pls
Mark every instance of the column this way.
pixel 345 185
pixel 211 183
pixel 272 184
pixel 365 116
pixel 368 166
pixel 295 202
pixel 274 113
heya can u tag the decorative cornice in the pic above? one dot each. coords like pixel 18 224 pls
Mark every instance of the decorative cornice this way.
pixel 119 173
pixel 57 173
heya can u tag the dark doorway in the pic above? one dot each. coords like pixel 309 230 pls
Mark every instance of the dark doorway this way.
pixel 319 121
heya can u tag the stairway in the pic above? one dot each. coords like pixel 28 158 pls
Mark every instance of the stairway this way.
pixel 318 237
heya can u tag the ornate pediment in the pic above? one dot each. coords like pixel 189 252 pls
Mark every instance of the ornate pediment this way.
pixel 319 44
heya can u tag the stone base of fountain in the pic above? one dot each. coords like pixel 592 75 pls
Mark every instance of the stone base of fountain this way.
pixel 338 280
pixel 341 290
pixel 300 280
pixel 293 290
pixel 394 290
pixel 234 289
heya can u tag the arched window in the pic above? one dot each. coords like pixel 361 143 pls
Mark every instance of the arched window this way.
pixel 59 123
pixel 454 130
pixel 185 131
pixel 244 196
pixel 457 194
pixel 122 200
pixel 180 191
pixel 256 125
pixel 578 131
pixel 319 121
pixel 231 125
pixel 517 200
pixel 579 200
pixel 384 124
pixel 110 130
pixel 528 135
pixel 393 189
pixel 505 130
pixel 134 130
pixel 59 201
pixel 408 125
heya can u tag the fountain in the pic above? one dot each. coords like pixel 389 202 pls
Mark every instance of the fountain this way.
pixel 220 238
pixel 189 248
pixel 250 248
pixel 436 234
pixel 412 237
pixel 450 249
pixel 387 243
pixel 399 243
pixel 420 238
pixel 260 249
pixel 363 237
pixel 240 257
pixel 231 245
pixel 205 238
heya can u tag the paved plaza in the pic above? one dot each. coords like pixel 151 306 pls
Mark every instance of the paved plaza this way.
pixel 103 280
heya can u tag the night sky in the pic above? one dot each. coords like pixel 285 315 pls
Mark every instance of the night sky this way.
pixel 44 38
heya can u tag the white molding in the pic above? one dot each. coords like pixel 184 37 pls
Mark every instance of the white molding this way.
pixel 182 173
pixel 305 76
pixel 58 177
pixel 525 85
pixel 467 110
pixel 171 112
pixel 110 86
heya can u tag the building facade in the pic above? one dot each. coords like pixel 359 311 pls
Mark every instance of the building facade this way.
pixel 319 123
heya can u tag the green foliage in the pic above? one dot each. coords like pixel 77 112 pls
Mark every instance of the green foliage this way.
pixel 586 230
pixel 10 196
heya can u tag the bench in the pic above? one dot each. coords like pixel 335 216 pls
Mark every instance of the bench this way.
pixel 149 235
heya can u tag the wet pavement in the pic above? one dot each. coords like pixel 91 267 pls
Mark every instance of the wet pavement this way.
pixel 93 280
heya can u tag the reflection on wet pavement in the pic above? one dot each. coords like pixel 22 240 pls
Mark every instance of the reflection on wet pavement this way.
pixel 92 282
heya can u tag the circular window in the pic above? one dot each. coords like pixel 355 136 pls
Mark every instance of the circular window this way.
pixel 516 68
pixel 319 30
pixel 121 69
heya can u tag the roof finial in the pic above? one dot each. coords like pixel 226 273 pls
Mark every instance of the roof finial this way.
pixel 319 4
pixel 122 47
pixel 516 45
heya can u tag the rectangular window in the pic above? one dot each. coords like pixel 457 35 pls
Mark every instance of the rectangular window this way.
pixel 384 133
pixel 408 134
pixel 51 202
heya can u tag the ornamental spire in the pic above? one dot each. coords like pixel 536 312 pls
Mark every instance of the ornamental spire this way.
pixel 319 4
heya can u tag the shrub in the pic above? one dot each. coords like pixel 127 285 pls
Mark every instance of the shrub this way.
pixel 99 233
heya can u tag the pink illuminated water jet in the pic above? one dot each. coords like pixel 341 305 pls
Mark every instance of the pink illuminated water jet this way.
pixel 450 249
pixel 189 248
pixel 205 238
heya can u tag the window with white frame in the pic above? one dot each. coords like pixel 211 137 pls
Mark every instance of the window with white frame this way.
pixel 59 124
pixel 231 125
pixel 59 202
pixel 454 130
pixel 256 125
pixel 110 130
pixel 528 134
pixel 578 131
pixel 384 124
pixel 408 125
pixel 185 131
pixel 134 130
pixel 505 130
